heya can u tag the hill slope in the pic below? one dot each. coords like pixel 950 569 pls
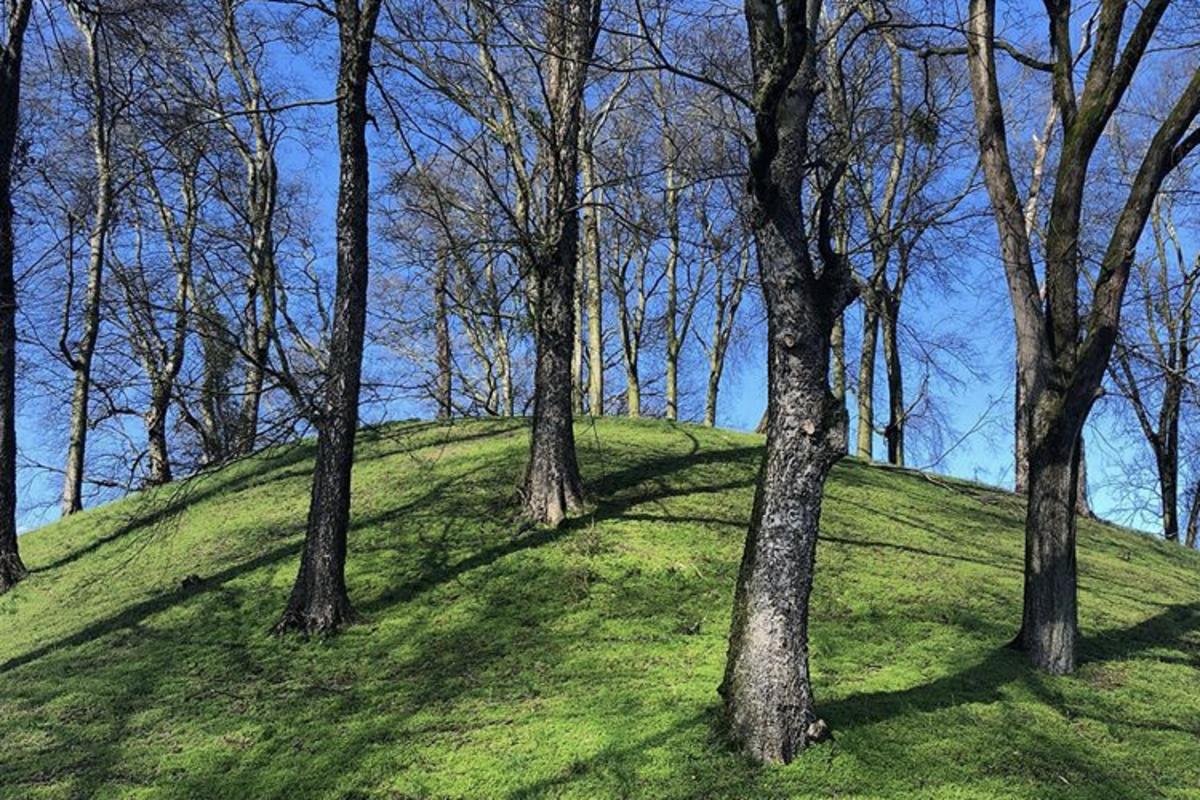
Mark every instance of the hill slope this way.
pixel 581 662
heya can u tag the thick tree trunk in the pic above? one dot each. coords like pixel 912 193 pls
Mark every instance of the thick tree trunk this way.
pixel 1021 454
pixel 552 484
pixel 12 569
pixel 319 603
pixel 768 694
pixel 893 434
pixel 866 381
pixel 1050 626
pixel 441 332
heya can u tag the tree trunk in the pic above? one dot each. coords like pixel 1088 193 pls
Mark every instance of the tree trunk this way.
pixel 577 341
pixel 1167 461
pixel 1021 454
pixel 674 337
pixel 319 603
pixel 12 569
pixel 441 325
pixel 259 337
pixel 1020 433
pixel 866 380
pixel 553 487
pixel 838 351
pixel 156 436
pixel 595 287
pixel 72 499
pixel 81 359
pixel 1049 627
pixel 768 695
pixel 894 432
pixel 1193 523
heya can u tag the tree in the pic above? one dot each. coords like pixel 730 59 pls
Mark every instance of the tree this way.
pixel 17 12
pixel 1063 355
pixel 93 27
pixel 552 483
pixel 767 690
pixel 1153 354
pixel 319 602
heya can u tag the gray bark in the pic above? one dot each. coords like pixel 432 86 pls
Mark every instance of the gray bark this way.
pixel 768 695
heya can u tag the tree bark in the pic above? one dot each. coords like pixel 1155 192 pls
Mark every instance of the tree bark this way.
pixel 767 690
pixel 768 695
pixel 594 282
pixel 319 602
pixel 12 569
pixel 674 334
pixel 156 436
pixel 838 351
pixel 893 434
pixel 1193 523
pixel 1050 621
pixel 441 328
pixel 866 380
pixel 553 487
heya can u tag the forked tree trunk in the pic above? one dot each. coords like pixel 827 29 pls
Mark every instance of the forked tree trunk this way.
pixel 12 569
pixel 156 436
pixel 1021 455
pixel 319 603
pixel 768 694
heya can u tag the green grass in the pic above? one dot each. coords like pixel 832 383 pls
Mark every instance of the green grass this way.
pixel 581 662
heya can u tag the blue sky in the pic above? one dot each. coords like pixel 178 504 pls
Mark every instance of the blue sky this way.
pixel 976 407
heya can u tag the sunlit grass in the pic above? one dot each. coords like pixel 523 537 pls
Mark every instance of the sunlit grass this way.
pixel 494 662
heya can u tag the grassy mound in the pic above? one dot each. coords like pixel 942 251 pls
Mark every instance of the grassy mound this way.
pixel 581 662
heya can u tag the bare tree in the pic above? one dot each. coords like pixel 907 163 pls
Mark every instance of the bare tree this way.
pixel 319 602
pixel 1064 354
pixel 93 27
pixel 1153 354
pixel 767 690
